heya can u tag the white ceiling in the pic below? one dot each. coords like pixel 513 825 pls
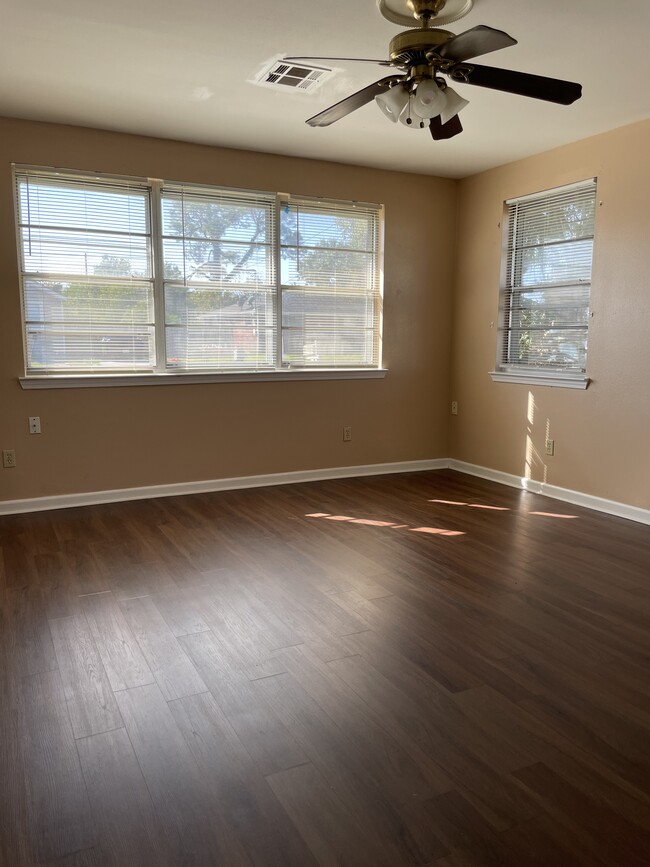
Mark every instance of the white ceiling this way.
pixel 183 71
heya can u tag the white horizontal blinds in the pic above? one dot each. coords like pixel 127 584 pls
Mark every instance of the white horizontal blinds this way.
pixel 548 279
pixel 85 249
pixel 224 269
pixel 219 278
pixel 331 301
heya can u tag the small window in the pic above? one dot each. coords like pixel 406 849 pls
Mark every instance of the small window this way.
pixel 219 278
pixel 329 284
pixel 547 281
pixel 87 274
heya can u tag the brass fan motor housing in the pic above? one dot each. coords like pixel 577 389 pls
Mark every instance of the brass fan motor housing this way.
pixel 411 46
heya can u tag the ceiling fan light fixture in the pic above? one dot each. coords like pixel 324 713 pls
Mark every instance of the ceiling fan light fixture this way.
pixel 454 105
pixel 410 118
pixel 430 99
pixel 393 102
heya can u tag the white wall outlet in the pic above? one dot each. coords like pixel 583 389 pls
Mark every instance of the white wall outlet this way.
pixel 347 434
pixel 34 424
pixel 550 447
pixel 454 407
pixel 8 458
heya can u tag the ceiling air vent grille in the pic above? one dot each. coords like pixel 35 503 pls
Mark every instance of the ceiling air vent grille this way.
pixel 299 76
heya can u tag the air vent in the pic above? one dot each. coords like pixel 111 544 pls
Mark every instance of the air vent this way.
pixel 294 76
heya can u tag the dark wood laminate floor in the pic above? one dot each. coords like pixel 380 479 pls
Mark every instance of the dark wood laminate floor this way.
pixel 422 669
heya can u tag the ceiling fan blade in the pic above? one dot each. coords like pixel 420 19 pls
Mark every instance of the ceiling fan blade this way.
pixel 440 130
pixel 522 83
pixel 353 102
pixel 472 43
pixel 336 60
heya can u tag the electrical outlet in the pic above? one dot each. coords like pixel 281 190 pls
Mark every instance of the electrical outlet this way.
pixel 454 407
pixel 8 458
pixel 34 424
pixel 347 434
pixel 550 447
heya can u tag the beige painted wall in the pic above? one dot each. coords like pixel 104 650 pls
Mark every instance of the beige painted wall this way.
pixel 96 439
pixel 602 435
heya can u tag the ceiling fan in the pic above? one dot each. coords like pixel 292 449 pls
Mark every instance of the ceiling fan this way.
pixel 418 96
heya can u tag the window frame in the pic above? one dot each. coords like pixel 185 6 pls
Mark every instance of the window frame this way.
pixel 506 371
pixel 375 251
pixel 160 373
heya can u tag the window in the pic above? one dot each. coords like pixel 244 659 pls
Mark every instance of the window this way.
pixel 219 273
pixel 546 286
pixel 149 277
pixel 87 274
pixel 330 284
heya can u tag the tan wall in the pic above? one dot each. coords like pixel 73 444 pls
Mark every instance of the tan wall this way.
pixel 602 435
pixel 95 439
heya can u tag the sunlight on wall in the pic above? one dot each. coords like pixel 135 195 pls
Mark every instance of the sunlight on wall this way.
pixel 534 458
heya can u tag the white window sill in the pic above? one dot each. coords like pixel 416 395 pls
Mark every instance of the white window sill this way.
pixel 554 380
pixel 99 380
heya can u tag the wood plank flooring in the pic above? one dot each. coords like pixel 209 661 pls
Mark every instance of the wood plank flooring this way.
pixel 423 669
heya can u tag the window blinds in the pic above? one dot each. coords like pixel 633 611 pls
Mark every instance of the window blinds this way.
pixel 85 249
pixel 130 275
pixel 548 279
pixel 219 278
pixel 331 301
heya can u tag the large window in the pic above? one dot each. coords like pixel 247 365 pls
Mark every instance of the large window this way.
pixel 547 281
pixel 132 276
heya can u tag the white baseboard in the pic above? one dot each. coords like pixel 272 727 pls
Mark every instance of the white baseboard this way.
pixel 486 473
pixel 93 498
pixel 599 504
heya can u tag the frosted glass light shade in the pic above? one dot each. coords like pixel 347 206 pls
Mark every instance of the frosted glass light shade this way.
pixel 410 118
pixel 392 102
pixel 453 105
pixel 429 99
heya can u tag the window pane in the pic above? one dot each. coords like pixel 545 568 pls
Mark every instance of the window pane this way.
pixel 563 218
pixel 307 227
pixel 341 348
pixel 539 296
pixel 558 263
pixel 89 326
pixel 89 303
pixel 50 251
pixel 325 267
pixel 328 328
pixel 213 328
pixel 550 307
pixel 216 218
pixel 82 204
pixel 551 348
pixel 217 262
pixel 64 346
